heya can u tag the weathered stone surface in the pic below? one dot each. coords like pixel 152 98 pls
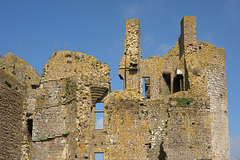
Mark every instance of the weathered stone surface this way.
pixel 20 69
pixel 11 108
pixel 18 75
pixel 71 84
pixel 130 62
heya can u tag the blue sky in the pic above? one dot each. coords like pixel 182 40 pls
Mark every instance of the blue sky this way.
pixel 34 29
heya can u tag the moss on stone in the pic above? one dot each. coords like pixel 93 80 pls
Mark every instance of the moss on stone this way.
pixel 183 102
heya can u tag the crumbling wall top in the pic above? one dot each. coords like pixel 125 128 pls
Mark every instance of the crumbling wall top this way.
pixel 65 64
pixel 20 69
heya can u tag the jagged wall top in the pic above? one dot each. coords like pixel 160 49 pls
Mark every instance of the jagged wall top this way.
pixel 65 64
pixel 18 68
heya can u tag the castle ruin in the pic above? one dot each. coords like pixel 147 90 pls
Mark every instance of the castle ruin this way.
pixel 172 107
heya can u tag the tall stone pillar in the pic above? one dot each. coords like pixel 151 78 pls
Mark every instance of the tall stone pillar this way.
pixel 129 67
pixel 188 30
pixel 188 45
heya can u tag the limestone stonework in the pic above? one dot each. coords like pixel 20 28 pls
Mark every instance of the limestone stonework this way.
pixel 172 107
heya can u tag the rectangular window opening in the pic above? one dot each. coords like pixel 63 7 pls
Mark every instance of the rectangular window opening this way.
pixel 98 156
pixel 167 79
pixel 178 83
pixel 35 87
pixel 30 126
pixel 99 116
pixel 146 87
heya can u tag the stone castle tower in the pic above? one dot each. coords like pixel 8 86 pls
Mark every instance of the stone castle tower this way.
pixel 172 107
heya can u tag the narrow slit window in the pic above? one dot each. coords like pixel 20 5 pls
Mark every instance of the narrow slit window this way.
pixel 146 87
pixel 98 156
pixel 99 116
pixel 167 80
pixel 143 87
pixel 30 126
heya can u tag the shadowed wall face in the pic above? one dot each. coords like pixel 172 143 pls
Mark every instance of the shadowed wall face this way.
pixel 10 123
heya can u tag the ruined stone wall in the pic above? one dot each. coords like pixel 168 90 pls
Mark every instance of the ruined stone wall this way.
pixel 155 66
pixel 70 86
pixel 175 127
pixel 180 130
pixel 190 130
pixel 215 75
pixel 11 109
pixel 206 68
pixel 201 67
pixel 20 69
pixel 21 77
pixel 47 124
pixel 54 121
pixel 183 115
pixel 53 148
pixel 125 126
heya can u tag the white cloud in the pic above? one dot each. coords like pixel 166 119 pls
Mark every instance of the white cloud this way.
pixel 99 123
pixel 235 148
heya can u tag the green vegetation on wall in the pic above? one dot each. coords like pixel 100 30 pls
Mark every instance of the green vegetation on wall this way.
pixel 183 102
